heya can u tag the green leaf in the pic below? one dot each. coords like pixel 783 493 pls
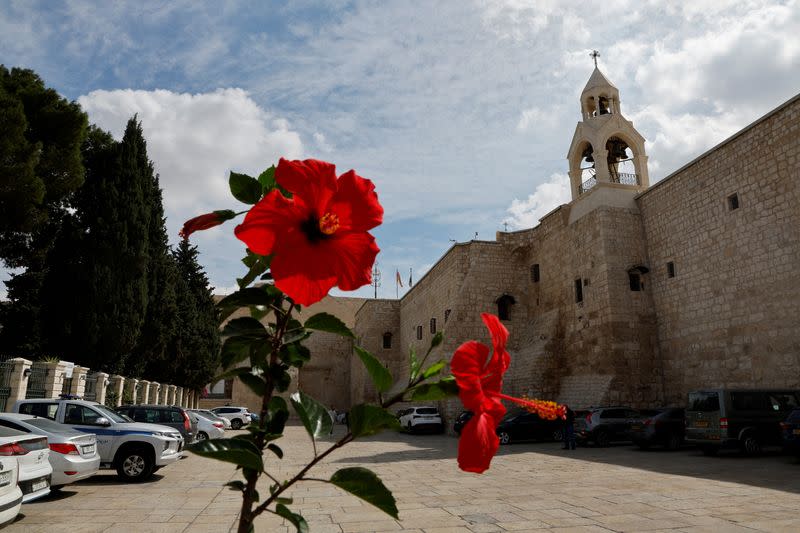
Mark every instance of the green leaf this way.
pixel 267 179
pixel 232 373
pixel 366 485
pixel 313 414
pixel 368 419
pixel 245 327
pixel 434 369
pixel 329 323
pixel 236 485
pixel 436 341
pixel 254 383
pixel 439 390
pixel 415 366
pixel 296 520
pixel 380 375
pixel 280 377
pixel 278 415
pixel 295 355
pixel 265 295
pixel 257 265
pixel 245 188
pixel 237 451
pixel 274 448
pixel 235 350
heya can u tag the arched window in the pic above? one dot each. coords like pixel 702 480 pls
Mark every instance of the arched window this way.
pixel 387 340
pixel 636 277
pixel 504 304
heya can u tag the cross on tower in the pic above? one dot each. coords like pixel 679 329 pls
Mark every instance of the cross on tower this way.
pixel 595 54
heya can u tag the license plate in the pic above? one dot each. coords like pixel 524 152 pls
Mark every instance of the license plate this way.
pixel 636 427
pixel 796 432
pixel 88 449
pixel 701 423
pixel 5 478
pixel 39 485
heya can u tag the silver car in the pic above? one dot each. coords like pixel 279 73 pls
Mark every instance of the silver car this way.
pixel 73 455
pixel 207 428
pixel 226 424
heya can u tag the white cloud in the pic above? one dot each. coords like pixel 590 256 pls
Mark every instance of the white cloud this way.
pixel 547 196
pixel 322 142
pixel 535 117
pixel 194 140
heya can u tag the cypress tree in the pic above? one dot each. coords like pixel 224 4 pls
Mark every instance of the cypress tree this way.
pixel 196 346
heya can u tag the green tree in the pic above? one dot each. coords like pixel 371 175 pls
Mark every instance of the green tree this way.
pixel 40 168
pixel 196 346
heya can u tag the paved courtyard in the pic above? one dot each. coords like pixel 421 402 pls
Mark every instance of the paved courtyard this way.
pixel 530 487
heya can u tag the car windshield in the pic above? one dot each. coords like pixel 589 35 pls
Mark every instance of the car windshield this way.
pixel 427 411
pixel 206 415
pixel 703 401
pixel 111 415
pixel 48 425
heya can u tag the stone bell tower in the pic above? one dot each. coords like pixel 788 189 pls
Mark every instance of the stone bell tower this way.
pixel 607 159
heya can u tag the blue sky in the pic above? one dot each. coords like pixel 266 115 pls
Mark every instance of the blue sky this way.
pixel 460 112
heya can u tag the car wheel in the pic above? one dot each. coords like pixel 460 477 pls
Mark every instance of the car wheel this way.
pixel 202 436
pixel 750 445
pixel 674 441
pixel 134 464
pixel 602 439
pixel 236 424
pixel 557 435
pixel 505 438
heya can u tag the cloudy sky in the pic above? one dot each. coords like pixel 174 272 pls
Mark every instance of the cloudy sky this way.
pixel 461 112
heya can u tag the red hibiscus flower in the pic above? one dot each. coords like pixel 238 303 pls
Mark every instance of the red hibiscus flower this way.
pixel 480 378
pixel 319 237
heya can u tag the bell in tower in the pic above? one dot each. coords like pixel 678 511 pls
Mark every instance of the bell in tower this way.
pixel 607 153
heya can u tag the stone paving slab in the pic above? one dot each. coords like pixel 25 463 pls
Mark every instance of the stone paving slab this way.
pixel 530 487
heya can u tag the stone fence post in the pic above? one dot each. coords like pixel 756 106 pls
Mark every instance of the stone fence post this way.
pixel 101 383
pixel 155 392
pixel 170 395
pixel 144 392
pixel 131 387
pixel 18 382
pixel 78 385
pixel 179 396
pixel 117 386
pixel 54 379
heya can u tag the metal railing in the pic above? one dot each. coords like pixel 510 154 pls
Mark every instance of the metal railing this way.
pixel 89 392
pixel 586 185
pixel 625 178
pixel 36 382
pixel 6 367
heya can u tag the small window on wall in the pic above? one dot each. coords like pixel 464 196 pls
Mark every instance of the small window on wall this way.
pixel 535 273
pixel 670 269
pixel 636 278
pixel 446 315
pixel 578 291
pixel 419 333
pixel 387 341
pixel 733 201
pixel 433 325
pixel 504 304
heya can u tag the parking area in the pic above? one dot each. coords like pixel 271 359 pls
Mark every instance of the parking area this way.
pixel 530 487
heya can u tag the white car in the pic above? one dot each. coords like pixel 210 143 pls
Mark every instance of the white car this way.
pixel 73 455
pixel 418 418
pixel 239 416
pixel 33 456
pixel 10 493
pixel 207 428
pixel 213 417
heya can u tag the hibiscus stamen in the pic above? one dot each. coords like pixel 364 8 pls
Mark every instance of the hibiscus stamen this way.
pixel 329 223
pixel 546 410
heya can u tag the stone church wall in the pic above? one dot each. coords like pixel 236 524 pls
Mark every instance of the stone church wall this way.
pixel 729 317
pixel 374 319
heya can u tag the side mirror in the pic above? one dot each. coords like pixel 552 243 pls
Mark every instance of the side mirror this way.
pixel 102 421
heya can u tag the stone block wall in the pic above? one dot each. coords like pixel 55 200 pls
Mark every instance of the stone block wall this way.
pixel 373 320
pixel 729 316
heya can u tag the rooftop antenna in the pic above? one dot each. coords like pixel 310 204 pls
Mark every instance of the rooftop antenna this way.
pixel 476 235
pixel 376 279
pixel 595 54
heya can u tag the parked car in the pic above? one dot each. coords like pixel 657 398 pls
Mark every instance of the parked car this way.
pixel 791 432
pixel 212 416
pixel 665 426
pixel 604 425
pixel 421 418
pixel 73 454
pixel 519 425
pixel 32 454
pixel 165 415
pixel 738 418
pixel 207 428
pixel 10 493
pixel 134 449
pixel 239 416
pixel 461 421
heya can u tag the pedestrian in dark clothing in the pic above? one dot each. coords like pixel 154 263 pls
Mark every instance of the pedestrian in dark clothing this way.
pixel 569 430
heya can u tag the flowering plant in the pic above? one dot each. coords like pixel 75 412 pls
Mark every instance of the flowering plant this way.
pixel 306 232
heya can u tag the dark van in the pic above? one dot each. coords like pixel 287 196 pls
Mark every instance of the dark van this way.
pixel 738 418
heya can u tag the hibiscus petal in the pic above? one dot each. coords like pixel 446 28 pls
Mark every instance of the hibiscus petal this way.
pixel 466 366
pixel 355 203
pixel 271 217
pixel 478 443
pixel 312 180
pixel 307 272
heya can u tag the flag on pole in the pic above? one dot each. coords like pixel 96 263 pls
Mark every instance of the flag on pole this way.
pixel 409 277
pixel 399 280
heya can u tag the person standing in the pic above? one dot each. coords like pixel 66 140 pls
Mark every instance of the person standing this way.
pixel 569 430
